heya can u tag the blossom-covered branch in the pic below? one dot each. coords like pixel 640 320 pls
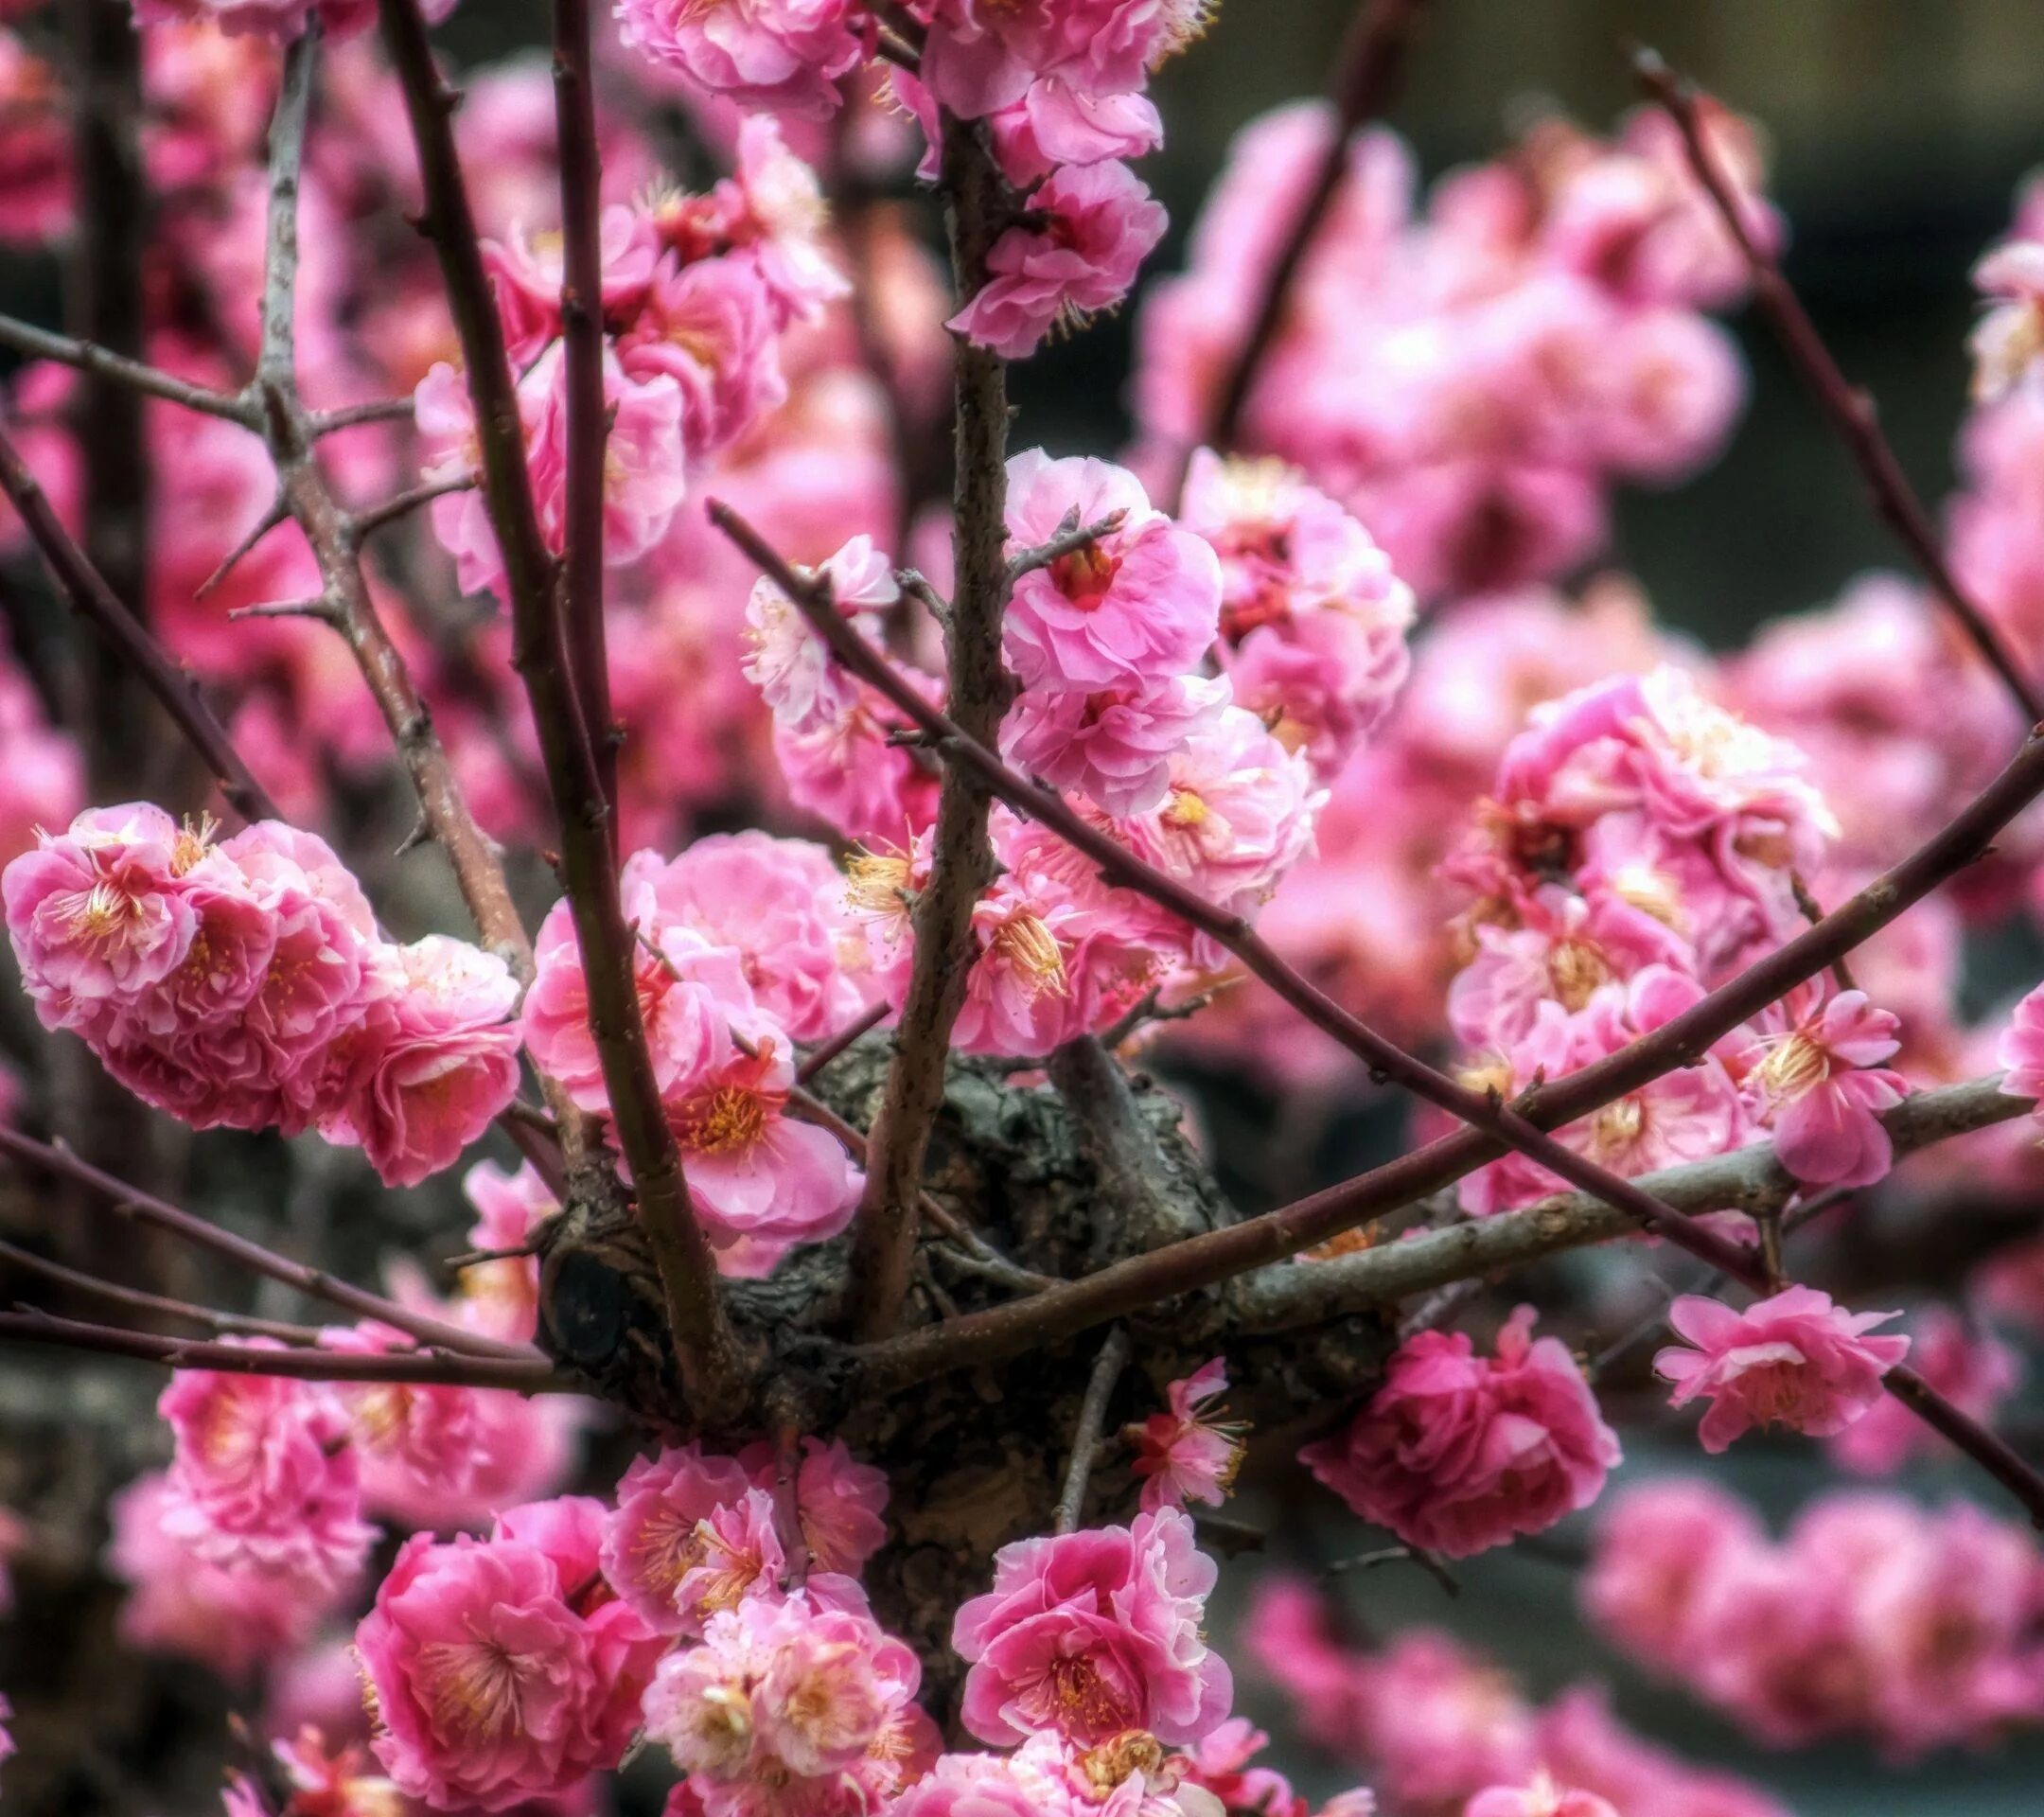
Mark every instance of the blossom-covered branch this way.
pixel 963 860
pixel 701 1331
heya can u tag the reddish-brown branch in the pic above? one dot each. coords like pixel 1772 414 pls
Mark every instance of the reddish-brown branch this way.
pixel 214 1324
pixel 313 1282
pixel 1504 1126
pixel 588 426
pixel 1366 75
pixel 440 1368
pixel 830 1051
pixel 962 864
pixel 86 592
pixel 705 1344
pixel 1848 409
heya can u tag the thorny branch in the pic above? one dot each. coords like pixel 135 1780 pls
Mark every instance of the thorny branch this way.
pixel 1849 410
pixel 705 1344
pixel 962 857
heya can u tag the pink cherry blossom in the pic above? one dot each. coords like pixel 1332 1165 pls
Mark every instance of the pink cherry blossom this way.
pixel 804 1694
pixel 2021 1048
pixel 774 903
pixel 1187 1454
pixel 1100 225
pixel 499 1674
pixel 435 1064
pixel 281 20
pixel 1114 746
pixel 35 152
pixel 772 211
pixel 711 327
pixel 980 58
pixel 1138 605
pixel 229 1619
pixel 779 55
pixel 1658 1546
pixel 263 1475
pixel 1541 1798
pixel 2010 337
pixel 1055 124
pixel 840 1502
pixel 1458 1453
pixel 661 1551
pixel 803 685
pixel 1821 1087
pixel 1794 1359
pixel 1093 1633
pixel 526 273
pixel 96 913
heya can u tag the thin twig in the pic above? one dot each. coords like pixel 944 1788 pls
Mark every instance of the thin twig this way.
pixel 844 1038
pixel 1107 1367
pixel 215 1324
pixel 1365 78
pixel 383 410
pixel 313 1282
pixel 961 855
pixel 403 503
pixel 443 1368
pixel 278 515
pixel 86 591
pixel 705 1344
pixel 1066 542
pixel 101 363
pixel 1849 410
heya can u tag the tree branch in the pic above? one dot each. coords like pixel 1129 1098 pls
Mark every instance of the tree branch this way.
pixel 962 857
pixel 1085 1448
pixel 89 357
pixel 588 426
pixel 1849 410
pixel 536 1376
pixel 1372 60
pixel 214 1324
pixel 705 1344
pixel 314 1282
pixel 86 591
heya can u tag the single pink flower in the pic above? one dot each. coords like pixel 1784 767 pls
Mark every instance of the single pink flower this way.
pixel 1139 607
pixel 711 327
pixel 1114 746
pixel 1659 1548
pixel 526 273
pixel 776 55
pixel 1821 1087
pixel 501 1670
pixel 1187 1454
pixel 2021 1048
pixel 2010 338
pixel 433 1064
pixel 1792 1360
pixel 690 1536
pixel 840 1502
pixel 1541 1798
pixel 1094 1632
pixel 1459 1452
pixel 263 1475
pixel 1100 223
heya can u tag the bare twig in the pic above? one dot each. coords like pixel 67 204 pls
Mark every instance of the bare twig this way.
pixel 277 514
pixel 314 1282
pixel 403 503
pixel 382 410
pixel 1066 542
pixel 86 591
pixel 215 1324
pixel 1107 1367
pixel 704 1342
pixel 962 857
pixel 445 1370
pixel 1849 410
pixel 1371 62
pixel 101 363
pixel 830 1050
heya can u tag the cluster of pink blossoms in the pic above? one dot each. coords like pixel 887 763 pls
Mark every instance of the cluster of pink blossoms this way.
pixel 697 293
pixel 740 954
pixel 1436 1726
pixel 1061 88
pixel 259 1530
pixel 1214 779
pixel 1870 1616
pixel 280 20
pixel 1456 1453
pixel 1473 379
pixel 1642 844
pixel 244 985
